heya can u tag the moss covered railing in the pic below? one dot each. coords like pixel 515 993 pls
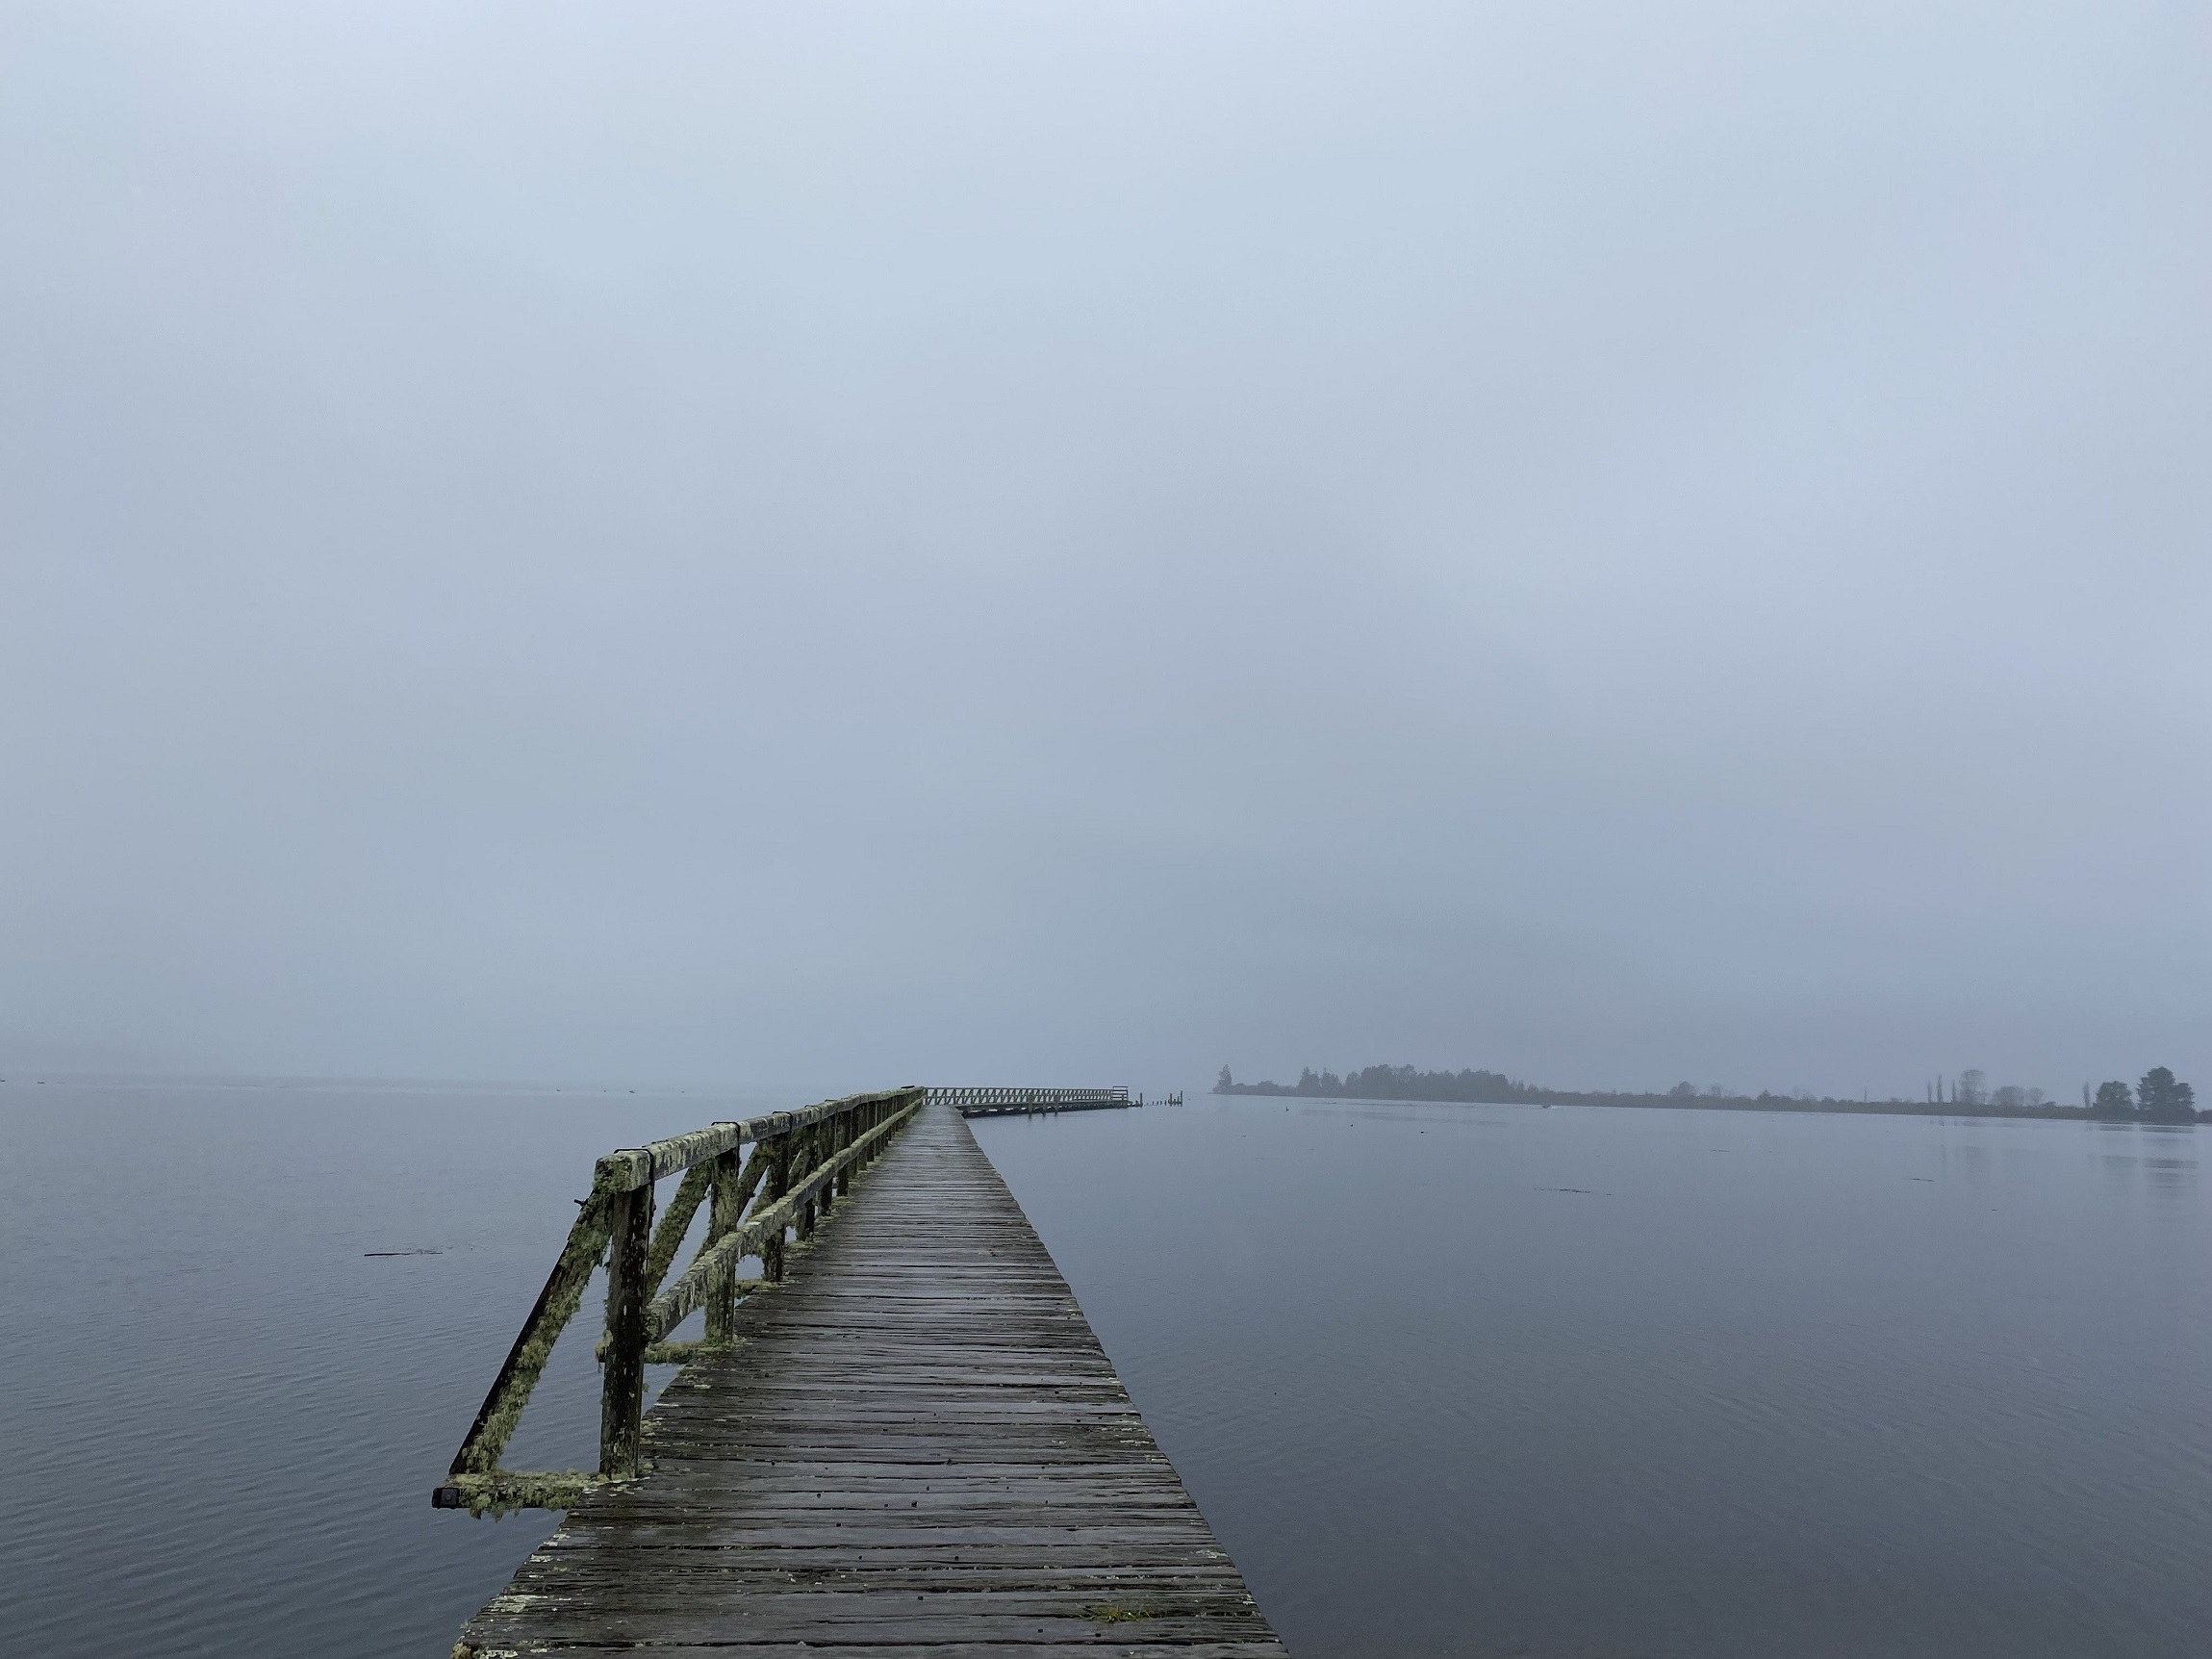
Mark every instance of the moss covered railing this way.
pixel 802 1162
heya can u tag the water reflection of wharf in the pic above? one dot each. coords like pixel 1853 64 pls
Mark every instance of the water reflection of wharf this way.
pixel 900 1437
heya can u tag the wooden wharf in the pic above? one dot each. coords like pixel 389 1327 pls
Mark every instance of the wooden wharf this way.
pixel 1008 1102
pixel 902 1440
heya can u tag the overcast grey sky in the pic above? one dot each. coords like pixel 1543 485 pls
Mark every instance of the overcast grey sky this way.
pixel 826 545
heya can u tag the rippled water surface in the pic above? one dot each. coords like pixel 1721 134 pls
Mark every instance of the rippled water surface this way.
pixel 1570 1384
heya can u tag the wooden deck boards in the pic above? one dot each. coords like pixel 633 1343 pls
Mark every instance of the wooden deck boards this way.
pixel 918 1450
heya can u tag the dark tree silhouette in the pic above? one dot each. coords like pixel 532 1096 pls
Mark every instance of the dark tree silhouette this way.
pixel 2159 1096
pixel 2113 1101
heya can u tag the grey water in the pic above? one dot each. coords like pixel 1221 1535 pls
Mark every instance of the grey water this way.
pixel 1492 1381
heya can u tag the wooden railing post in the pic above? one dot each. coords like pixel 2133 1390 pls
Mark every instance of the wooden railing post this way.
pixel 725 1198
pixel 777 1151
pixel 622 1390
pixel 813 1162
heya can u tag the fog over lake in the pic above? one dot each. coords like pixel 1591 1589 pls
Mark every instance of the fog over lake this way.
pixel 837 544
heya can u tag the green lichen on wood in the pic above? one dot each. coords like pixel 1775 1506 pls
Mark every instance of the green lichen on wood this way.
pixel 557 1304
pixel 623 1170
pixel 503 1491
pixel 794 1154
pixel 662 1158
pixel 675 1222
pixel 733 1189
pixel 699 1146
pixel 760 1234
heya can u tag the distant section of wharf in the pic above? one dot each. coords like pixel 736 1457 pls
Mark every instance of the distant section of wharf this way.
pixel 899 1440
pixel 1009 1102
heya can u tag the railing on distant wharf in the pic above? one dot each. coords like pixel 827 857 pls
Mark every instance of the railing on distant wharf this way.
pixel 1001 1102
pixel 802 1161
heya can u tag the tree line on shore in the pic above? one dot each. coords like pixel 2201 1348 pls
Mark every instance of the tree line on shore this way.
pixel 2158 1098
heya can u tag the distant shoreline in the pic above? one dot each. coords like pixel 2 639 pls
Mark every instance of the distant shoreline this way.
pixel 2049 1112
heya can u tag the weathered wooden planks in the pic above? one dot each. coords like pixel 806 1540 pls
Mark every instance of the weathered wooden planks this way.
pixel 917 1451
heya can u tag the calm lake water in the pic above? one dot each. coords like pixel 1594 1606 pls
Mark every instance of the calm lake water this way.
pixel 1568 1384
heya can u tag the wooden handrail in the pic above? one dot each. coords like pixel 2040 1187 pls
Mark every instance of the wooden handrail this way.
pixel 801 1162
pixel 672 1305
pixel 635 1166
